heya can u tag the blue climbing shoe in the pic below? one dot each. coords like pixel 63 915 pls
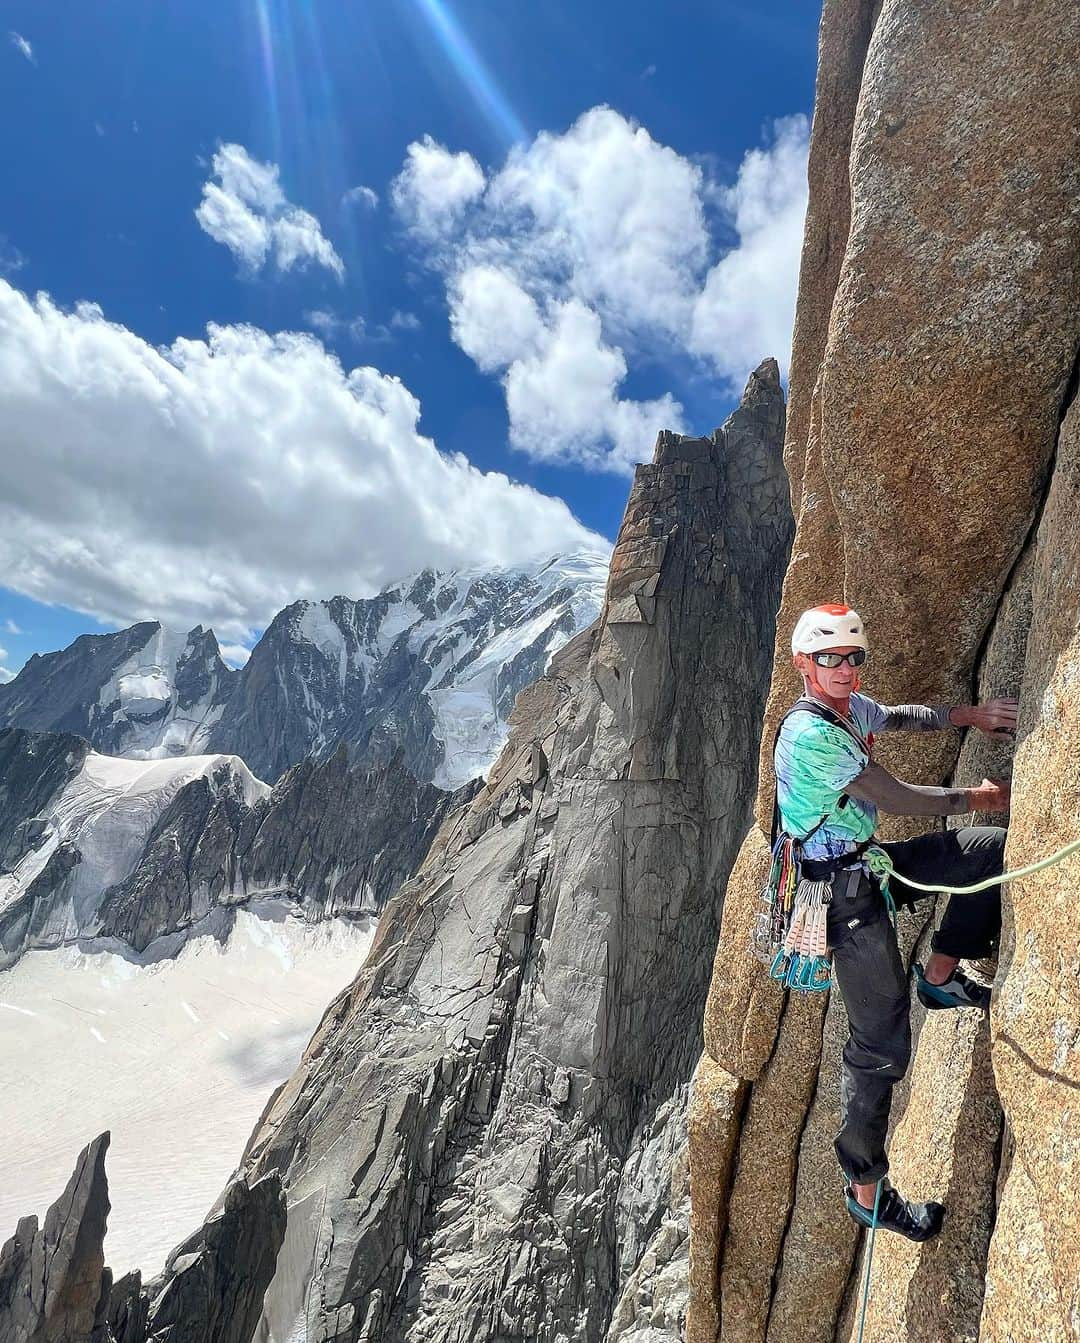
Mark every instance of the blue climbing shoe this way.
pixel 957 991
pixel 916 1221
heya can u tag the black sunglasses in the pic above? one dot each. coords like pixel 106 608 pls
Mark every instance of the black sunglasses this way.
pixel 856 659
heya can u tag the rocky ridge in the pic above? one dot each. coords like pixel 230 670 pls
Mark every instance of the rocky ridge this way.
pixel 932 453
pixel 486 1136
pixel 426 670
pixel 143 851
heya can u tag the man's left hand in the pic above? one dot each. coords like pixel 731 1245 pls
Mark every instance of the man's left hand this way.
pixel 997 717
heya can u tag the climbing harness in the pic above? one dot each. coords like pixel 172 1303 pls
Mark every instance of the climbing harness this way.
pixel 790 933
pixel 869 1261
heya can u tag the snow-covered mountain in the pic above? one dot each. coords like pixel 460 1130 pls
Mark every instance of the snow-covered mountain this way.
pixel 144 692
pixel 429 669
pixel 134 851
pixel 89 835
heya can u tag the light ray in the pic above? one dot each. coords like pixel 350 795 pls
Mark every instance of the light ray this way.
pixel 472 71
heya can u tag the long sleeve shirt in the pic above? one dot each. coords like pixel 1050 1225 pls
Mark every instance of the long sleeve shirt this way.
pixel 824 774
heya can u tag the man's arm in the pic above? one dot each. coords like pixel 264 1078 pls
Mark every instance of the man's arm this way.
pixel 997 717
pixel 875 784
pixel 916 718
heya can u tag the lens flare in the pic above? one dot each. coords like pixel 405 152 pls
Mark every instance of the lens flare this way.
pixel 472 71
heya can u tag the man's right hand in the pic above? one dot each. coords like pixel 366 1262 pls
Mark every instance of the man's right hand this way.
pixel 992 795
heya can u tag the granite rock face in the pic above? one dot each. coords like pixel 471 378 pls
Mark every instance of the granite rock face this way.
pixel 935 352
pixel 213 1283
pixel 97 847
pixel 486 1136
pixel 1036 1017
pixel 54 1286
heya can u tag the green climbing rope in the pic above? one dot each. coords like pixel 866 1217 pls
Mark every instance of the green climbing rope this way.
pixel 881 865
pixel 869 1260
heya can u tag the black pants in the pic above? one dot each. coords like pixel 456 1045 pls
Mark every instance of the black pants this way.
pixel 874 984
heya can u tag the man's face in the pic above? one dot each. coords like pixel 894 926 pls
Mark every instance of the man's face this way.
pixel 838 682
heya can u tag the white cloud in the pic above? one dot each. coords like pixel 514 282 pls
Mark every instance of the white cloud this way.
pixel 217 480
pixel 11 628
pixel 332 327
pixel 21 44
pixel 608 213
pixel 561 379
pixel 563 403
pixel 11 259
pixel 589 253
pixel 235 655
pixel 405 321
pixel 363 196
pixel 492 317
pixel 748 300
pixel 5 673
pixel 246 210
pixel 434 187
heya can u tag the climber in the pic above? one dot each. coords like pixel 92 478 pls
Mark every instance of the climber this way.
pixel 828 791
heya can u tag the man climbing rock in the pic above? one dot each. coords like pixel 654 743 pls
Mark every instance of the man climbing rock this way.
pixel 828 793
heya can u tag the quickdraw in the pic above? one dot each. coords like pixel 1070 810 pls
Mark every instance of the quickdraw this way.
pixel 790 933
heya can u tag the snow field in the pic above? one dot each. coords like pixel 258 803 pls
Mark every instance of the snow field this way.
pixel 177 1059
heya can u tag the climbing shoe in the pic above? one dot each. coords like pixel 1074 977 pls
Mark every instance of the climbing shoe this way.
pixel 916 1221
pixel 957 991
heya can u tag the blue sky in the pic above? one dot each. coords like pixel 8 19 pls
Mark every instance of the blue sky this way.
pixel 518 216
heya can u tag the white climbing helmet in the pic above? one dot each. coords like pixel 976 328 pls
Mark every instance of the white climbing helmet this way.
pixel 828 627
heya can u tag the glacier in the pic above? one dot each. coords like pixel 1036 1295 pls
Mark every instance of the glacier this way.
pixel 175 1057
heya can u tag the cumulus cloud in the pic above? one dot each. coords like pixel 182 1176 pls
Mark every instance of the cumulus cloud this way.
pixel 493 319
pixel 404 321
pixel 11 628
pixel 21 44
pixel 5 673
pixel 216 480
pixel 748 300
pixel 244 207
pixel 563 403
pixel 589 253
pixel 434 187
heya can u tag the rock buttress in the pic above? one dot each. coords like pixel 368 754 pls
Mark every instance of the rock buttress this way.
pixel 922 431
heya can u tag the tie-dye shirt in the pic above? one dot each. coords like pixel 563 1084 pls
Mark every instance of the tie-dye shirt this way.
pixel 815 760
